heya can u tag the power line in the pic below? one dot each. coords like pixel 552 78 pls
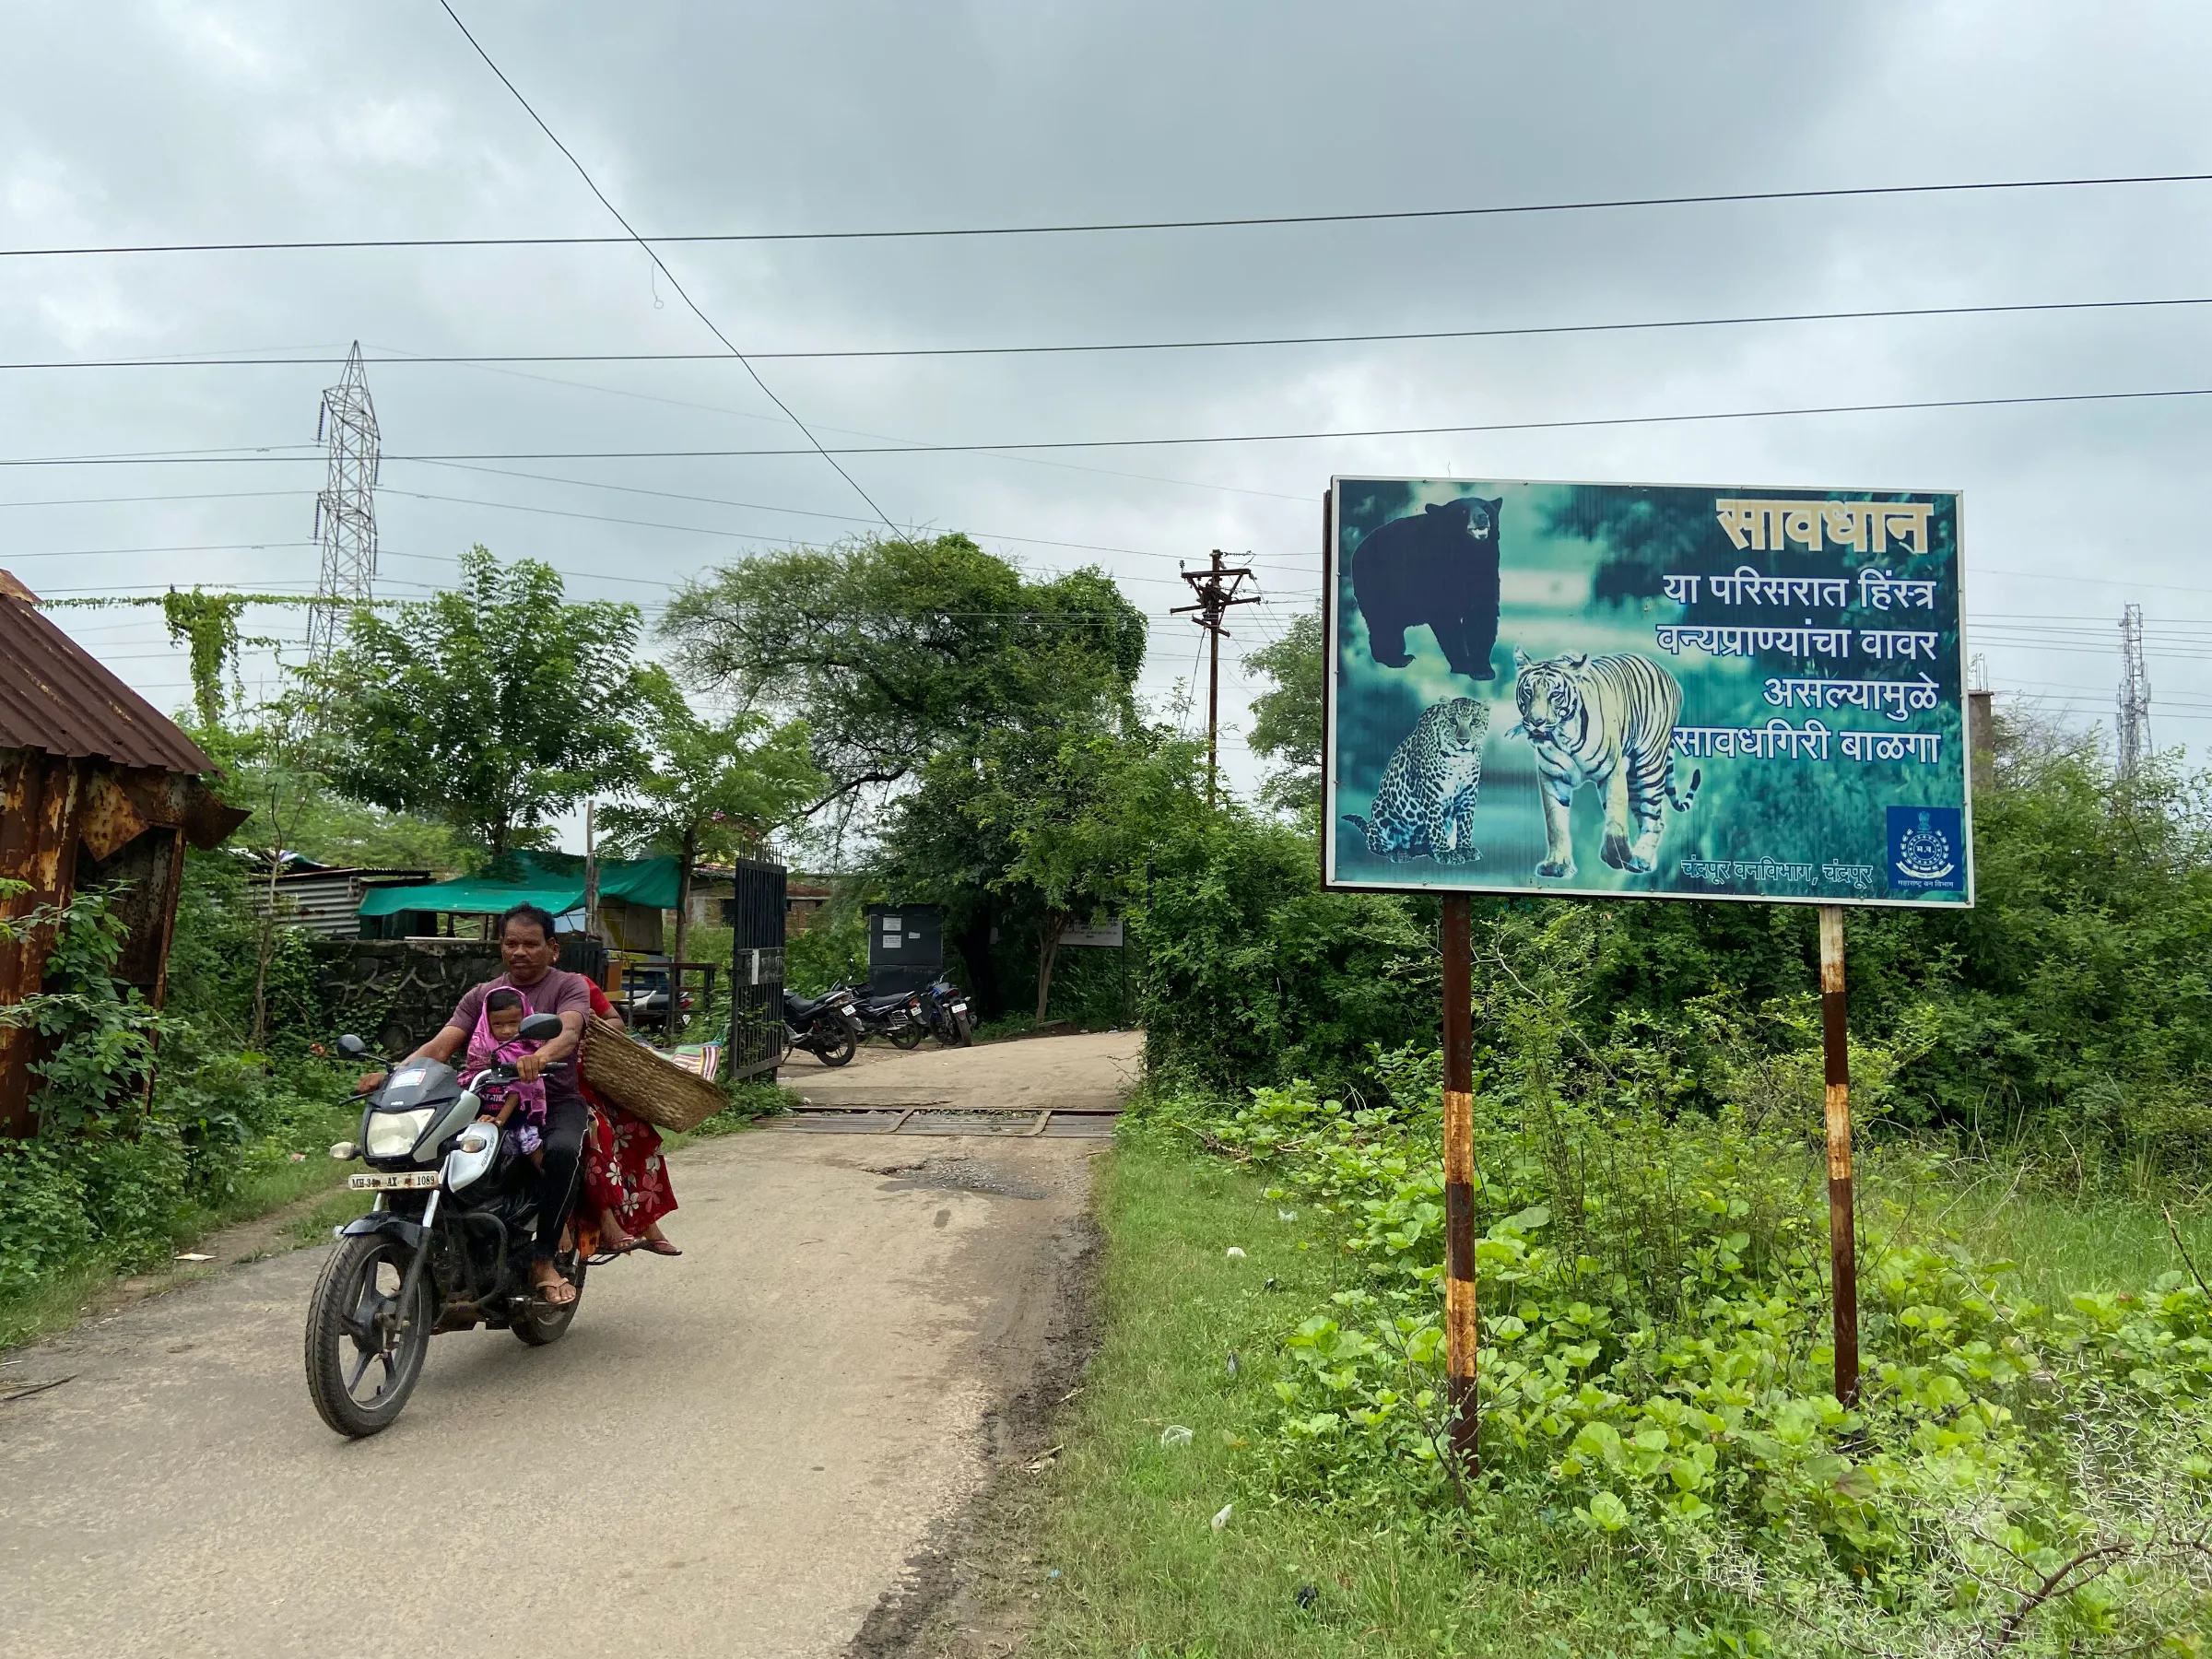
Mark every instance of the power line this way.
pixel 1105 472
pixel 673 495
pixel 13 557
pixel 662 265
pixel 1596 205
pixel 212 495
pixel 1583 422
pixel 1407 336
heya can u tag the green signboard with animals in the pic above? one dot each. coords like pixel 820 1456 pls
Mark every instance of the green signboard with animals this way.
pixel 1645 690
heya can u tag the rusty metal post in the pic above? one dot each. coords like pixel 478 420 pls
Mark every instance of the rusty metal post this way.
pixel 1842 1244
pixel 41 804
pixel 1459 1183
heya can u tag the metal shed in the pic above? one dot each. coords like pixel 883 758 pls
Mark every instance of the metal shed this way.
pixel 321 899
pixel 97 788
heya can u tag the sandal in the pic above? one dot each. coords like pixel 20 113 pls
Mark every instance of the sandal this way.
pixel 556 1294
pixel 660 1247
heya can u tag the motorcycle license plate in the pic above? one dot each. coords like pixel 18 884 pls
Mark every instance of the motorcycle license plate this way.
pixel 386 1183
pixel 959 1007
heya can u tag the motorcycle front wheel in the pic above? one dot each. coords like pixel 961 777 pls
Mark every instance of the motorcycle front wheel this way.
pixel 364 1351
pixel 909 1035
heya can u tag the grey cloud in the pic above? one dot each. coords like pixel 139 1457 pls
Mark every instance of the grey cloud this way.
pixel 213 122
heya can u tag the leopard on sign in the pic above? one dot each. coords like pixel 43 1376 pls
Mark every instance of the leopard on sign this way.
pixel 1426 804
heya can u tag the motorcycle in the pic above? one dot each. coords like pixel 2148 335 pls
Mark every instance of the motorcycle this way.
pixel 896 1017
pixel 824 1028
pixel 447 1247
pixel 945 1010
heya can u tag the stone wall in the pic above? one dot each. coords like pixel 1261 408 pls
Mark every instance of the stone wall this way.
pixel 394 993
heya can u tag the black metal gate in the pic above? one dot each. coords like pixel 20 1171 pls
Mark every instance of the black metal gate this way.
pixel 756 914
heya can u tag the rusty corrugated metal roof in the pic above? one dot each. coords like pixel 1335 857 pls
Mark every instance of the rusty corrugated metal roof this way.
pixel 56 696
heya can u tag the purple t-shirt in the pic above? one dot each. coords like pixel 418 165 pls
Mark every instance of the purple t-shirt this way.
pixel 558 992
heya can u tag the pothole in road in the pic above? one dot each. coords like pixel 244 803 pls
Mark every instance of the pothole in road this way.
pixel 957 1175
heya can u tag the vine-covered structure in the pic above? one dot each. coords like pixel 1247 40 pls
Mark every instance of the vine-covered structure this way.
pixel 97 788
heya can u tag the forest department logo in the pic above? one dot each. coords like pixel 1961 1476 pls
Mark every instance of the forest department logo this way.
pixel 1924 853
pixel 1925 847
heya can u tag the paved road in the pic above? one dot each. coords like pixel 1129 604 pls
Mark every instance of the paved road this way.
pixel 735 1453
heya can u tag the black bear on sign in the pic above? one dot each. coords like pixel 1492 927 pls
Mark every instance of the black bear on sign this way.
pixel 1437 567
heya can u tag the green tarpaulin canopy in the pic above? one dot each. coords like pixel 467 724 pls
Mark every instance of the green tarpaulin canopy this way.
pixel 551 880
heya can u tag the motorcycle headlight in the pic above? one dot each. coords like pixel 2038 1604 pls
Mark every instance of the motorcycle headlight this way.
pixel 393 1134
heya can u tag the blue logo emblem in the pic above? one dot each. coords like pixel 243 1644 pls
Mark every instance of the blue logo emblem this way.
pixel 1927 849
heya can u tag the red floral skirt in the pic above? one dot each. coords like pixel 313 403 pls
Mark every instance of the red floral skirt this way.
pixel 625 1176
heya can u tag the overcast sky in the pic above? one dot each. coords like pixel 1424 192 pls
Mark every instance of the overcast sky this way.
pixel 176 122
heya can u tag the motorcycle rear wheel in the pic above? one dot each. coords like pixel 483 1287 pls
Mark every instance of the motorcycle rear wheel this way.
pixel 539 1325
pixel 833 1045
pixel 909 1035
pixel 355 1327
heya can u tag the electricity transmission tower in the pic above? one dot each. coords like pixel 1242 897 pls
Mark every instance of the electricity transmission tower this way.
pixel 1217 587
pixel 346 510
pixel 2133 722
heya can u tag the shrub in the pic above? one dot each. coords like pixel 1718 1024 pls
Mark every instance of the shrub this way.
pixel 1249 972
pixel 1657 1363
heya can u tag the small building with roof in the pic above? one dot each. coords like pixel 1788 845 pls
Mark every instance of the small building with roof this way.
pixel 98 789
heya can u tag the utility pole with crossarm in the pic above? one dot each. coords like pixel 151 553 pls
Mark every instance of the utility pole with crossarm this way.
pixel 1217 587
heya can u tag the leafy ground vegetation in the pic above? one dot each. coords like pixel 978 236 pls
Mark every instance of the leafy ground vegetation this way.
pixel 2015 1481
pixel 1665 1469
pixel 156 1127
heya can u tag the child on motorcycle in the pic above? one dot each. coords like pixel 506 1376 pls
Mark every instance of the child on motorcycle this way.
pixel 518 1108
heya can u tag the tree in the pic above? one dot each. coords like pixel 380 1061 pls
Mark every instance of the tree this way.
pixel 1080 811
pixel 891 651
pixel 272 768
pixel 488 707
pixel 1286 717
pixel 717 789
pixel 905 658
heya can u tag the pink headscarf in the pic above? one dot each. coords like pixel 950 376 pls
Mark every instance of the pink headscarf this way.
pixel 485 1050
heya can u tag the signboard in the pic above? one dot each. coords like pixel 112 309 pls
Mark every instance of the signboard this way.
pixel 1106 936
pixel 906 947
pixel 1642 690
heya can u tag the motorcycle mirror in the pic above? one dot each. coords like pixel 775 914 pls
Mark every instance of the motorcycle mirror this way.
pixel 541 1027
pixel 352 1047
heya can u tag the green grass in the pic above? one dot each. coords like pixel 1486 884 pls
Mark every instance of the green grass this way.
pixel 1141 1571
pixel 57 1300
pixel 2060 1242
pixel 54 1302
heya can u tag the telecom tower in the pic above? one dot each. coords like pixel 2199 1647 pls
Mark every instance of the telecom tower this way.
pixel 346 511
pixel 2133 722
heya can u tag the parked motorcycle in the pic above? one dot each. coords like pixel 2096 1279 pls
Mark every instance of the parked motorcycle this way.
pixel 447 1247
pixel 945 1011
pixel 825 1027
pixel 896 1017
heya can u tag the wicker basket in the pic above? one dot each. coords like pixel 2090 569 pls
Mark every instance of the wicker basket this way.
pixel 643 1083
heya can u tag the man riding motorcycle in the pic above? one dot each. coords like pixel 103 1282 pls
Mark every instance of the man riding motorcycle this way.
pixel 528 950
